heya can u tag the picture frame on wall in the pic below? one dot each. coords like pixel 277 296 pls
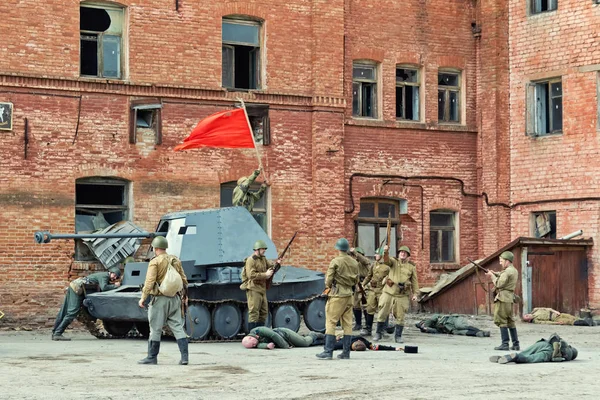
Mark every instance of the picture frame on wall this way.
pixel 6 114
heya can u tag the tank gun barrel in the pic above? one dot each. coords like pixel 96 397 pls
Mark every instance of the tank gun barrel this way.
pixel 46 237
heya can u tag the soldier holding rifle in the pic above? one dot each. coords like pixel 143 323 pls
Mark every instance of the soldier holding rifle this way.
pixel 374 286
pixel 360 297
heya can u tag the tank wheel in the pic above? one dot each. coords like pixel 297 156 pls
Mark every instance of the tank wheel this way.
pixel 197 321
pixel 226 320
pixel 267 323
pixel 143 328
pixel 117 328
pixel 314 315
pixel 287 316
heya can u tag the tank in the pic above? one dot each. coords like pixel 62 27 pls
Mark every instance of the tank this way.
pixel 212 245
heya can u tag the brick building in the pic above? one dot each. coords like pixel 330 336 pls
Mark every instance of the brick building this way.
pixel 359 114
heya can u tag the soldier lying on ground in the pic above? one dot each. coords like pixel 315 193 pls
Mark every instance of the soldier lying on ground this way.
pixel 266 338
pixel 450 324
pixel 359 343
pixel 545 315
pixel 554 349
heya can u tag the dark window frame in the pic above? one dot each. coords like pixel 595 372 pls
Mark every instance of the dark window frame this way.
pixel 228 78
pixel 550 220
pixel 155 106
pixel 542 6
pixel 439 230
pixel 365 84
pixel 378 223
pixel 260 207
pixel 541 101
pixel 259 113
pixel 447 90
pixel 87 35
pixel 402 85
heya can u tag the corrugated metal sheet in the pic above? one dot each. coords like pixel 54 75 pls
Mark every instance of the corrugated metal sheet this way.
pixel 110 251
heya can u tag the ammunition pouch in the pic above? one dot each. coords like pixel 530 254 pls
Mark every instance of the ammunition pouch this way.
pixel 402 286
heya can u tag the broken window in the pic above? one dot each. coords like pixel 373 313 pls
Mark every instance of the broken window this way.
pixel 544 103
pixel 442 241
pixel 99 202
pixel 449 97
pixel 371 224
pixel 259 212
pixel 364 90
pixel 258 115
pixel 240 54
pixel 407 93
pixel 539 6
pixel 544 224
pixel 145 121
pixel 101 30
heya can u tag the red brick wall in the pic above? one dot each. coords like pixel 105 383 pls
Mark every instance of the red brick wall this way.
pixel 548 45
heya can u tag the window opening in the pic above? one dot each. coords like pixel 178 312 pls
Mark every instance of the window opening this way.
pixel 259 212
pixel 407 94
pixel 442 237
pixel 364 90
pixel 146 121
pixel 371 224
pixel 544 224
pixel 101 30
pixel 449 97
pixel 240 54
pixel 545 100
pixel 258 115
pixel 539 6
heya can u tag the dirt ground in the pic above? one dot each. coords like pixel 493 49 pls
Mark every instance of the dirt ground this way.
pixel 34 367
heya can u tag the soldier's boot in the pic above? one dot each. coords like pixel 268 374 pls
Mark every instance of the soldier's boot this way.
pixel 398 336
pixel 388 328
pixel 483 334
pixel 347 343
pixel 512 357
pixel 58 333
pixel 505 339
pixel 514 338
pixel 183 349
pixel 357 319
pixel 327 353
pixel 379 332
pixel 60 337
pixel 495 359
pixel 153 349
pixel 366 331
pixel 318 338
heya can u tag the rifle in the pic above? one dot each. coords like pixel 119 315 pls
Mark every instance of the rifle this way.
pixel 277 265
pixel 389 228
pixel 363 295
pixel 480 267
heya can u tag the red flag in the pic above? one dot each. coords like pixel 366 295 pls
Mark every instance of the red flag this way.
pixel 224 129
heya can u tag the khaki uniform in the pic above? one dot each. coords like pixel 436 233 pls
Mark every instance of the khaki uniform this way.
pixel 341 277
pixel 363 271
pixel 242 196
pixel 505 284
pixel 373 284
pixel 395 297
pixel 543 315
pixel 254 282
pixel 163 310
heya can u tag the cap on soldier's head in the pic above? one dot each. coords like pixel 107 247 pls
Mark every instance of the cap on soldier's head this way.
pixel 241 180
pixel 507 255
pixel 359 250
pixel 260 244
pixel 404 248
pixel 160 242
pixel 342 244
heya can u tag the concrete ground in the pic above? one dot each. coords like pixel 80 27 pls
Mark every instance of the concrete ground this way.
pixel 451 367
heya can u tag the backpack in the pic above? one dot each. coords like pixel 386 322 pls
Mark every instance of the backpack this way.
pixel 172 283
pixel 244 277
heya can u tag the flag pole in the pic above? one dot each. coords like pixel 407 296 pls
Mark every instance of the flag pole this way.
pixel 260 166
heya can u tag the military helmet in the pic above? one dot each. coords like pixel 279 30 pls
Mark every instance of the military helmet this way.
pixel 404 248
pixel 260 244
pixel 116 271
pixel 359 250
pixel 507 255
pixel 379 251
pixel 160 242
pixel 342 244
pixel 241 180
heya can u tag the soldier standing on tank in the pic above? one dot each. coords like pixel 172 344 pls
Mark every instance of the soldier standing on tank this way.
pixel 242 196
pixel 76 293
pixel 373 284
pixel 400 282
pixel 255 274
pixel 341 277
pixel 363 269
pixel 163 310
pixel 505 283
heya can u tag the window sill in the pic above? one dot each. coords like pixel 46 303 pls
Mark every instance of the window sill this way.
pixel 444 266
pixel 414 125
pixel 545 135
pixel 104 80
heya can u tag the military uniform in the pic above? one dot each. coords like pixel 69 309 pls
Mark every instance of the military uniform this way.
pixel 543 315
pixel 373 285
pixel 554 349
pixel 284 338
pixel 450 324
pixel 254 282
pixel 363 271
pixel 505 283
pixel 242 196
pixel 73 301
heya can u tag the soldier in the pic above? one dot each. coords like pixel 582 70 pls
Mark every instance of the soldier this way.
pixel 505 283
pixel 164 309
pixel 549 316
pixel 374 286
pixel 363 271
pixel 262 337
pixel 75 295
pixel 242 196
pixel 341 276
pixel 450 324
pixel 400 282
pixel 554 349
pixel 255 274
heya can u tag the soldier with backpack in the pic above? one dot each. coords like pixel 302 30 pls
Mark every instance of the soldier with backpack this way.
pixel 167 284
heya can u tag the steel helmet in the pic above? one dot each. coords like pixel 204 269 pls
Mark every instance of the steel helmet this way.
pixel 404 248
pixel 359 250
pixel 116 271
pixel 241 180
pixel 160 242
pixel 379 252
pixel 342 244
pixel 260 244
pixel 507 255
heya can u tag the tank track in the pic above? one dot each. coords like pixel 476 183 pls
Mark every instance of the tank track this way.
pixel 96 328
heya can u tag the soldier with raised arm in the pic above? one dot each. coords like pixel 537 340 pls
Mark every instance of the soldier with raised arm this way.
pixel 242 196
pixel 374 287
pixel 363 270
